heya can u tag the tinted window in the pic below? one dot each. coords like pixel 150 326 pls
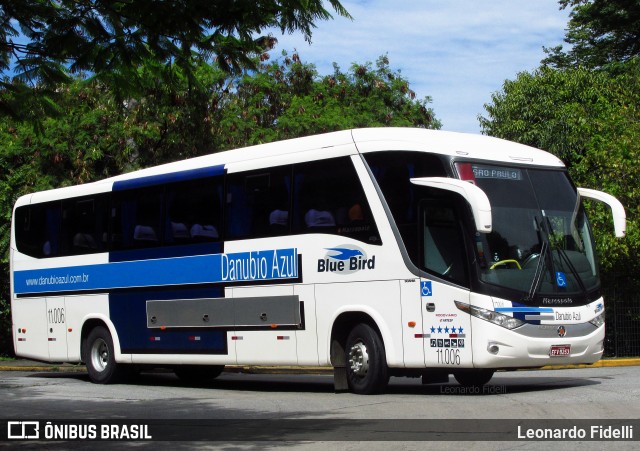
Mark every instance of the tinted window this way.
pixel 443 241
pixel 328 198
pixel 258 203
pixel 85 225
pixel 393 171
pixel 193 212
pixel 137 218
pixel 37 229
pixel 316 197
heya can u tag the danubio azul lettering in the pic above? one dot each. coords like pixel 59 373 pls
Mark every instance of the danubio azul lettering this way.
pixel 260 265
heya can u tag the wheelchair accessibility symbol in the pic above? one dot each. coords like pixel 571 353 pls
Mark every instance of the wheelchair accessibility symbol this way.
pixel 561 279
pixel 425 288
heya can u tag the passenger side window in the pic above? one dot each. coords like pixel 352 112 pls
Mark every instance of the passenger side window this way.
pixel 328 198
pixel 137 219
pixel 38 229
pixel 193 212
pixel 258 203
pixel 85 225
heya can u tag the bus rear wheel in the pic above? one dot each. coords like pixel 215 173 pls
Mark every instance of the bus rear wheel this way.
pixel 99 357
pixel 367 371
pixel 198 374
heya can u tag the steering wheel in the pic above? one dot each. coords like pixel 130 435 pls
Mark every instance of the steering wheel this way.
pixel 504 262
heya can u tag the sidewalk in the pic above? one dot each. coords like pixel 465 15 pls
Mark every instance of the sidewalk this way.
pixel 31 365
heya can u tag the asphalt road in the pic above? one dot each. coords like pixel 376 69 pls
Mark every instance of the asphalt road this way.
pixel 265 407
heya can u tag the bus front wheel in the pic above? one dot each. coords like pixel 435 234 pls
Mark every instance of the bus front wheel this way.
pixel 367 370
pixel 99 357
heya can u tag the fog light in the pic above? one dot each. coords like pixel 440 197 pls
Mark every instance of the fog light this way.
pixel 493 348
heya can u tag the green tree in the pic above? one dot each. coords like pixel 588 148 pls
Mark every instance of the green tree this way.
pixel 43 42
pixel 599 32
pixel 288 98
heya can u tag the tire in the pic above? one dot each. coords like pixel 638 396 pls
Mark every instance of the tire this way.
pixel 474 378
pixel 99 357
pixel 198 374
pixel 367 371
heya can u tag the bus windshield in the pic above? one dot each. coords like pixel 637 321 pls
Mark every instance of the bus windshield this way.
pixel 541 243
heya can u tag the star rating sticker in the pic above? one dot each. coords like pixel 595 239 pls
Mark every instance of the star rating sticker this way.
pixel 460 330
pixel 433 330
pixel 439 329
pixel 446 330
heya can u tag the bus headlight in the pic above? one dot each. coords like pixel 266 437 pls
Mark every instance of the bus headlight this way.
pixel 598 320
pixel 499 319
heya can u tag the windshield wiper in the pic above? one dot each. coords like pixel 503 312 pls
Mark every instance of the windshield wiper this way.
pixel 572 268
pixel 564 257
pixel 542 262
pixel 538 275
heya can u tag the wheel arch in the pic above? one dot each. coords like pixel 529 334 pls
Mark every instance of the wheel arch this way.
pixel 342 325
pixel 92 322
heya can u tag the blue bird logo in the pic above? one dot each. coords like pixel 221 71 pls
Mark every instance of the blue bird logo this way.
pixel 344 253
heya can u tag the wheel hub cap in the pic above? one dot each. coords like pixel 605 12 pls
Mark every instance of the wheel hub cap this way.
pixel 100 355
pixel 359 359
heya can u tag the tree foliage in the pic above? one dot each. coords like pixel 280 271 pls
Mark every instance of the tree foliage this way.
pixel 43 42
pixel 288 99
pixel 99 135
pixel 599 32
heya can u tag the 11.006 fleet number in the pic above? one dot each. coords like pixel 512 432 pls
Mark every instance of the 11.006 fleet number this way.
pixel 449 356
pixel 55 316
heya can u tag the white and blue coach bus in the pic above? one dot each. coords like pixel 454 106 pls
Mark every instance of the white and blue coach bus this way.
pixel 381 252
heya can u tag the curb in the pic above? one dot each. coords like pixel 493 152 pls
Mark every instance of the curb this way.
pixel 599 364
pixel 44 368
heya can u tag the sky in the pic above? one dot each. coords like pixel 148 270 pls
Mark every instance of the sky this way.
pixel 458 52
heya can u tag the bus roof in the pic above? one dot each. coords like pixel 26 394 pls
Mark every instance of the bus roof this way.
pixel 467 145
pixel 471 146
pixel 347 142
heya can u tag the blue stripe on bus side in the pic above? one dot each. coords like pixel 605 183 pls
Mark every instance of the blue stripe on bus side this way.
pixel 171 177
pixel 265 265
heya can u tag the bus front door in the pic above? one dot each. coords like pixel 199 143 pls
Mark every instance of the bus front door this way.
pixel 446 330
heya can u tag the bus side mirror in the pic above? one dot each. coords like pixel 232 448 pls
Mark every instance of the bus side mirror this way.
pixel 477 199
pixel 619 216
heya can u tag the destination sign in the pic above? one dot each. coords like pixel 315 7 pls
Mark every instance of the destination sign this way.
pixel 496 172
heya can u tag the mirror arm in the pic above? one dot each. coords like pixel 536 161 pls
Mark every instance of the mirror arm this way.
pixel 617 209
pixel 477 199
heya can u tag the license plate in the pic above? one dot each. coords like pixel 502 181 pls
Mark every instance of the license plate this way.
pixel 560 351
